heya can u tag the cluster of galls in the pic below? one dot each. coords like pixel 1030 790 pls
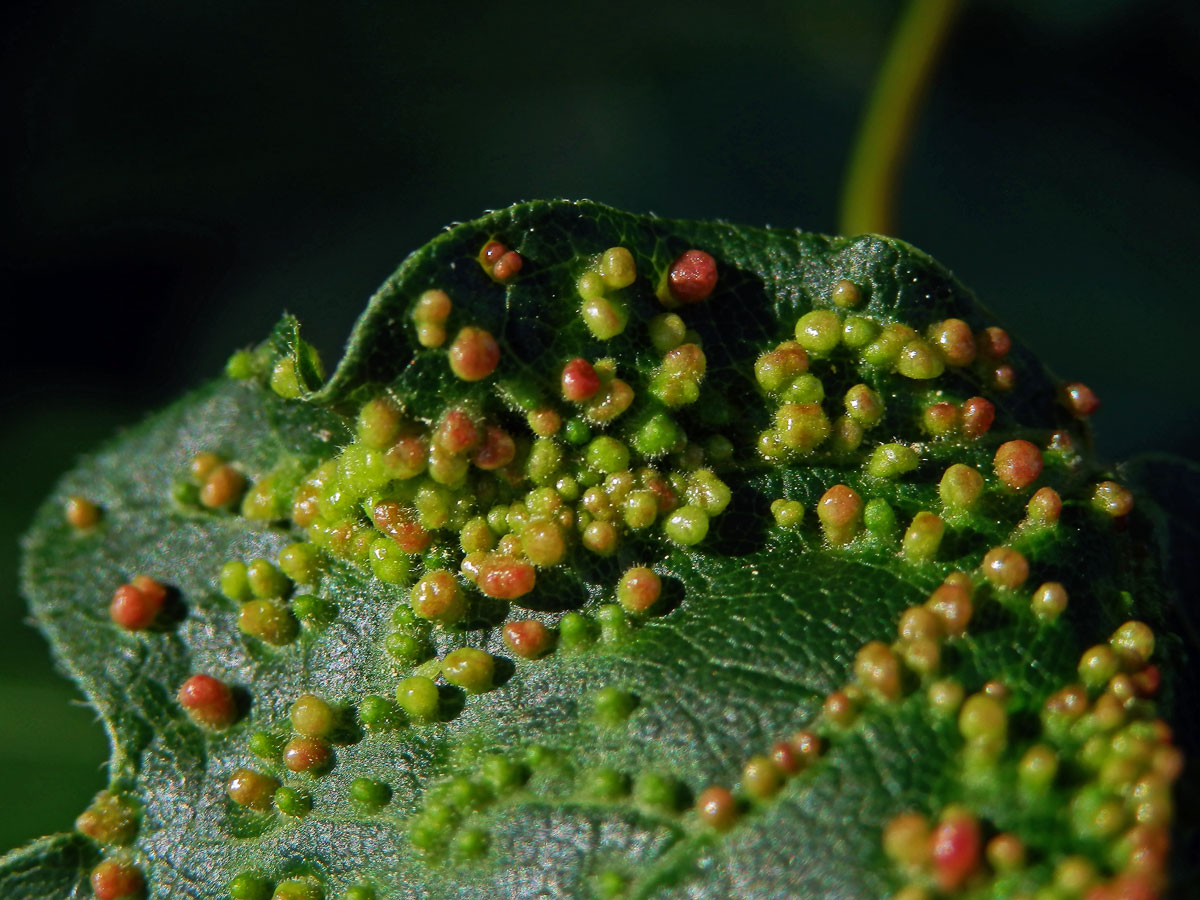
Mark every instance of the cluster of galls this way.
pixel 691 278
pixel 112 821
pixel 1119 784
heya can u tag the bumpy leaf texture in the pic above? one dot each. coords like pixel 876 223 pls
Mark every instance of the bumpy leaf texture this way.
pixel 623 557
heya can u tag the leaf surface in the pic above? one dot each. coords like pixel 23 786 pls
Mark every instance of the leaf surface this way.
pixel 575 774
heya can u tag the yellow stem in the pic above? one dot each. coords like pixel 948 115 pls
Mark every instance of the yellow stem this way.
pixel 869 193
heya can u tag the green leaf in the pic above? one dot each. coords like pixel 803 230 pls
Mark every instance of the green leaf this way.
pixel 576 773
pixel 49 868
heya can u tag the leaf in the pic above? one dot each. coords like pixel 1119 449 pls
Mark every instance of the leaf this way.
pixel 50 868
pixel 575 774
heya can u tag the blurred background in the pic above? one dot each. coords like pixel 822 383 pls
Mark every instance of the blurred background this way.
pixel 177 174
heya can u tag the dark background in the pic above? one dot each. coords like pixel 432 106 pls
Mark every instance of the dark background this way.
pixel 177 174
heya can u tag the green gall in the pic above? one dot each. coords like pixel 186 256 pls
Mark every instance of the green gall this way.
pixel 606 454
pixel 656 792
pixel 300 562
pixel 667 331
pixel 787 513
pixel 806 388
pixel 370 794
pixel 377 713
pixel 249 886
pixel 265 745
pixel 234 581
pixel 879 518
pixel 285 381
pixel 418 696
pixel 500 773
pixel 923 537
pixel 603 783
pixel 656 435
pixel 470 843
pixel 293 802
pixel 614 626
pixel 241 366
pixel 575 632
pixel 265 580
pixel 858 332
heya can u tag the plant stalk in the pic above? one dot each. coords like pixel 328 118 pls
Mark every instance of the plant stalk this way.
pixel 870 187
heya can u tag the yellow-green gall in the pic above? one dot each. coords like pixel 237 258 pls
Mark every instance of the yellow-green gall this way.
pixel 787 513
pixel 761 777
pixel 469 668
pixel 285 380
pixel 877 669
pixel 312 717
pixel 845 294
pixel 819 331
pixel 891 461
pixel 1038 768
pixel 600 538
pixel 300 562
pixel 268 620
pixel 945 696
pixel 667 331
pixel 1049 601
pixel 687 525
pixel 923 537
pixel 776 369
pixel 983 720
pixel 864 405
pixel 251 789
pixel 617 268
pixel 590 285
pixel 840 511
pixel 605 317
pixel 1097 665
pixel 1005 567
pixel 885 349
pixel 81 513
pixel 639 589
pixel 438 598
pixel 379 422
pixel 919 361
pixel 1112 499
pixel 1133 642
pixel 418 697
pixel 961 487
pixel 801 426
